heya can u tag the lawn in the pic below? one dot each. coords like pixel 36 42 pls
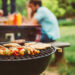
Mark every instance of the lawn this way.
pixel 68 35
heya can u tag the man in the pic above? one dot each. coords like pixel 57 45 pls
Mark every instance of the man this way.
pixel 47 20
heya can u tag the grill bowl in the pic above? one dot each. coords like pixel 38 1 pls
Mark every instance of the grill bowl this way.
pixel 26 65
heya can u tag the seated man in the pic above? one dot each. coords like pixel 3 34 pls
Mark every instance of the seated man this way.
pixel 47 20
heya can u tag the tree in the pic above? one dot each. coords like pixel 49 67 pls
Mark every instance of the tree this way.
pixel 69 6
pixel 61 8
pixel 21 6
pixel 53 5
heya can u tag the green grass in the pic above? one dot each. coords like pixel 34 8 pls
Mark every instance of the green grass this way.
pixel 66 70
pixel 68 35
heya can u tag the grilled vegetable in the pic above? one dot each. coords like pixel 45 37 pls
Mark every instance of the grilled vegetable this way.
pixel 15 53
pixel 15 49
pixel 1 52
pixel 22 52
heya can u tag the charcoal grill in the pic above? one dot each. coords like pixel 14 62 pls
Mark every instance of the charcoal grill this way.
pixel 27 64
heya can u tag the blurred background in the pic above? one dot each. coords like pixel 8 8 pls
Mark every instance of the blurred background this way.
pixel 63 9
pixel 65 12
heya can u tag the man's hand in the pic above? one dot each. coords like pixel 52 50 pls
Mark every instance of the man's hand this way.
pixel 34 22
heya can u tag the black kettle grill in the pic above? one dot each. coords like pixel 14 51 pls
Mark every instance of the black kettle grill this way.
pixel 27 64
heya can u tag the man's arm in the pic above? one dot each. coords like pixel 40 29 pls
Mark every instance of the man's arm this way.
pixel 34 22
pixel 29 11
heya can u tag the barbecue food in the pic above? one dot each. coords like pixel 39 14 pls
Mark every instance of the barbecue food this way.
pixel 32 51
pixel 38 45
pixel 19 41
pixel 15 49
pixel 11 45
pixel 1 46
pixel 31 43
pixel 18 51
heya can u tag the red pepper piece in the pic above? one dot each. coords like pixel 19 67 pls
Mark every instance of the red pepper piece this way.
pixel 19 49
pixel 4 49
pixel 15 53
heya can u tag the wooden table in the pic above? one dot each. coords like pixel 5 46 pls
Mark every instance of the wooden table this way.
pixel 59 55
pixel 27 32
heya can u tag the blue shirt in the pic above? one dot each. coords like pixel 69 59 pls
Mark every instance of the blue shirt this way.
pixel 48 22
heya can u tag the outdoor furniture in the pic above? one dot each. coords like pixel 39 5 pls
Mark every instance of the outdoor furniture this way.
pixel 21 32
pixel 59 55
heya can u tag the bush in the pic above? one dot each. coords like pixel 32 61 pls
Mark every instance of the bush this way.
pixel 65 22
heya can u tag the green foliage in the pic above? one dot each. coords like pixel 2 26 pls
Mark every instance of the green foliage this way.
pixel 61 8
pixel 69 8
pixel 53 5
pixel 21 7
pixel 66 22
pixel 0 4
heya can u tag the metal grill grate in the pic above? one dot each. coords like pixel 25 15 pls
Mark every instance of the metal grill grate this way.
pixel 43 53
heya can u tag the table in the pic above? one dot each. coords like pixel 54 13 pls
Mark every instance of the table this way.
pixel 27 32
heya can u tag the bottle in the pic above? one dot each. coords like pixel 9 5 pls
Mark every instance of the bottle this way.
pixel 10 19
pixel 19 19
pixel 15 19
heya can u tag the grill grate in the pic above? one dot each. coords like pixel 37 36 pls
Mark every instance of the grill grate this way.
pixel 43 53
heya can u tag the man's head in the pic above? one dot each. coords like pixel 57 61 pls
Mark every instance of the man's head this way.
pixel 35 4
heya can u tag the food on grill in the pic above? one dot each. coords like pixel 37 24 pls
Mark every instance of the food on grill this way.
pixel 22 52
pixel 38 45
pixel 4 51
pixel 1 46
pixel 32 51
pixel 20 41
pixel 31 43
pixel 11 45
pixel 15 49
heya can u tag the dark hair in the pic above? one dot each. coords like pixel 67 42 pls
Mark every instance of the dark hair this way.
pixel 36 2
